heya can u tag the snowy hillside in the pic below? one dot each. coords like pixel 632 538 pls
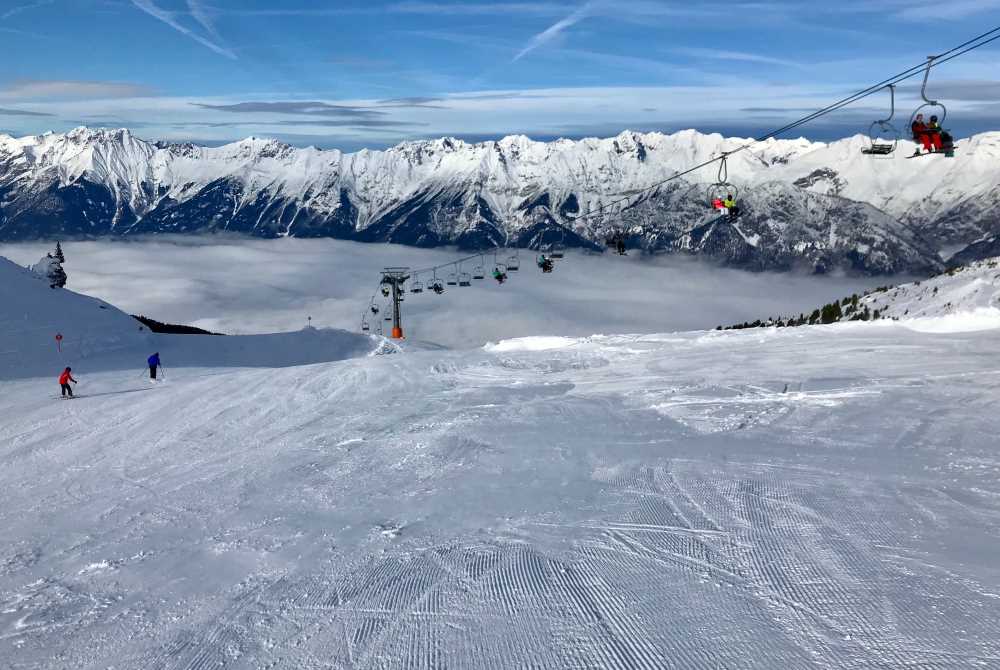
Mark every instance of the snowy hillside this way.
pixel 98 336
pixel 962 299
pixel 32 315
pixel 96 182
pixel 970 293
pixel 801 498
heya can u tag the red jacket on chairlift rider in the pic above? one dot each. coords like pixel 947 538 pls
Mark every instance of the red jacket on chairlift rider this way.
pixel 929 137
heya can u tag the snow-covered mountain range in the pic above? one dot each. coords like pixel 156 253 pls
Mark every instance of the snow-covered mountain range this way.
pixel 811 204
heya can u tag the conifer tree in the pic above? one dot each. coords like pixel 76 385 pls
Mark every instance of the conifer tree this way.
pixel 59 253
pixel 56 274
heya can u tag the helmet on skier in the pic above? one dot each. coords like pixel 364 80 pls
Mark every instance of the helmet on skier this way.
pixel 69 369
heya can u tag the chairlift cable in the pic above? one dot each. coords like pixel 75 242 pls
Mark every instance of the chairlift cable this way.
pixel 909 73
pixel 924 67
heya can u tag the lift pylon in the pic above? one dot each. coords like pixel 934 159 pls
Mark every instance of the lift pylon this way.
pixel 394 281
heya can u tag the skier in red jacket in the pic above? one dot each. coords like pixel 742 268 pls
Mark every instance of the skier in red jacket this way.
pixel 64 379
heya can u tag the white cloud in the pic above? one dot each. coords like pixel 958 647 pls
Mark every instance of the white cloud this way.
pixel 14 11
pixel 200 14
pixel 554 31
pixel 950 11
pixel 206 282
pixel 453 8
pixel 68 89
pixel 170 18
pixel 720 54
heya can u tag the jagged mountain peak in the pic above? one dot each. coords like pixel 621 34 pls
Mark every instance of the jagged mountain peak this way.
pixel 449 190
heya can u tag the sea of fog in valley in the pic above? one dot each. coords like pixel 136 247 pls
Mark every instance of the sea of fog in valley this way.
pixel 242 286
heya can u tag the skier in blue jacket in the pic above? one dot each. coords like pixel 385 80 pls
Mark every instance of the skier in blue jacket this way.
pixel 154 363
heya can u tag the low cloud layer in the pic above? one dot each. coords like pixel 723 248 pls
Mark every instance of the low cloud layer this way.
pixel 257 286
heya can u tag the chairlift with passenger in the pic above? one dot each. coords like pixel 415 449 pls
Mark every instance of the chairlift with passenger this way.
pixel 927 107
pixel 436 284
pixel 722 189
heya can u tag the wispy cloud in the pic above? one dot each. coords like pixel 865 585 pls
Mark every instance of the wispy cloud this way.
pixel 21 112
pixel 961 89
pixel 481 9
pixel 43 89
pixel 951 11
pixel 170 18
pixel 553 31
pixel 719 54
pixel 296 107
pixel 417 102
pixel 199 14
pixel 14 11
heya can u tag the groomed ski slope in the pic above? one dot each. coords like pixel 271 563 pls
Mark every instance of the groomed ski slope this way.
pixel 819 497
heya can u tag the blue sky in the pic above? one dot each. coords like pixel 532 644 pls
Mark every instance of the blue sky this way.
pixel 351 74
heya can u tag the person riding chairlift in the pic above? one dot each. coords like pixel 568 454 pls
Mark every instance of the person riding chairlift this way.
pixel 926 135
pixel 501 277
pixel 718 205
pixel 730 205
pixel 545 263
pixel 946 143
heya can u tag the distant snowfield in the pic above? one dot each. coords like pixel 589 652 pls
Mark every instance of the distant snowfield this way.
pixel 242 286
pixel 820 497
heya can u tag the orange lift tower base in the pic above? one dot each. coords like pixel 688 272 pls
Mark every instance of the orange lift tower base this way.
pixel 393 284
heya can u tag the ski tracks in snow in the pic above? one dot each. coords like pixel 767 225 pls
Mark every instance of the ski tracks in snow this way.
pixel 636 502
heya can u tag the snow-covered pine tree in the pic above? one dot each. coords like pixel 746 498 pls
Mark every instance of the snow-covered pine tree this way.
pixel 56 274
pixel 59 253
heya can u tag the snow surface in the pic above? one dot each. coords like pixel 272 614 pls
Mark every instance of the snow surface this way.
pixel 98 336
pixel 816 497
pixel 696 500
pixel 966 298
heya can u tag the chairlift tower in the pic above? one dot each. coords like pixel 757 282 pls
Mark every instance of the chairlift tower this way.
pixel 394 281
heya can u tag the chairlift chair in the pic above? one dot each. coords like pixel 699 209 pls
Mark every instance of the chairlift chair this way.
pixel 464 279
pixel 452 279
pixel 417 286
pixel 479 272
pixel 883 136
pixel 514 262
pixel 364 325
pixel 927 107
pixel 722 189
pixel 553 251
pixel 436 284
